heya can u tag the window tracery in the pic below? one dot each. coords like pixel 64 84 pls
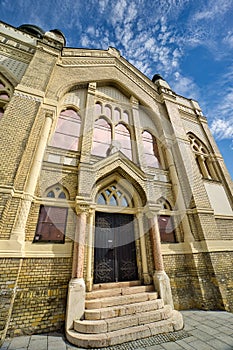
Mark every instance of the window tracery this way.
pixel 114 196
pixel 202 157
pixel 57 192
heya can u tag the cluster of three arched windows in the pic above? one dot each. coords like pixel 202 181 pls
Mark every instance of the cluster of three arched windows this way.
pixel 106 136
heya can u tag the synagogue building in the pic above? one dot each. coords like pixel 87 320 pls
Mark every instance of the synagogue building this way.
pixel 115 202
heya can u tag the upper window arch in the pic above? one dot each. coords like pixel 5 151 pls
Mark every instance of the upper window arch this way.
pixel 123 137
pixel 6 92
pixel 57 192
pixel 114 196
pixel 151 152
pixel 202 157
pixel 67 131
pixel 165 205
pixel 101 137
pixel 98 109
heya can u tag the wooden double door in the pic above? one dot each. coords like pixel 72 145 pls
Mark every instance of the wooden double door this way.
pixel 115 250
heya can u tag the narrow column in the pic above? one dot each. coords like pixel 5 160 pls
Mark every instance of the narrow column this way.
pixel 161 280
pixel 156 243
pixel 18 232
pixel 76 291
pixel 204 170
pixel 145 274
pixel 79 244
pixel 89 281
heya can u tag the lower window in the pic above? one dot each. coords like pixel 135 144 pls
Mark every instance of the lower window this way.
pixel 51 225
pixel 166 228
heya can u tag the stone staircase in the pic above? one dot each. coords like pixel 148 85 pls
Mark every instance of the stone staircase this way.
pixel 116 313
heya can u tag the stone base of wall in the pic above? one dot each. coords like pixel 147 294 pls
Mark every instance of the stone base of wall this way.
pixel 34 293
pixel 201 281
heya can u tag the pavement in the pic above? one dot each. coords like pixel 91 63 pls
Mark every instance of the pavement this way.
pixel 204 330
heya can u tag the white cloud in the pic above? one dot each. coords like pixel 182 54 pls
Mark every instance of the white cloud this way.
pixel 212 10
pixel 222 129
pixel 185 86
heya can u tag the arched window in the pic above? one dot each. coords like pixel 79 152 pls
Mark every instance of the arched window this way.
pixel 166 222
pixel 117 115
pixel 151 152
pixel 98 109
pixel 6 91
pixel 125 117
pixel 51 223
pixel 108 111
pixel 122 135
pixel 101 138
pixel 202 157
pixel 114 196
pixel 57 192
pixel 67 131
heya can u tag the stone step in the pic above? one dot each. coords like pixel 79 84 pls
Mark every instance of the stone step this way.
pixel 103 293
pixel 122 310
pixel 116 285
pixel 120 300
pixel 173 323
pixel 117 323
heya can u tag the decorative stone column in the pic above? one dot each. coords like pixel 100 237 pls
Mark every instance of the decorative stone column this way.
pixel 89 280
pixel 76 290
pixel 145 273
pixel 161 280
pixel 18 231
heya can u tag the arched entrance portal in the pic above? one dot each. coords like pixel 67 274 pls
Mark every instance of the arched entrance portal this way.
pixel 115 249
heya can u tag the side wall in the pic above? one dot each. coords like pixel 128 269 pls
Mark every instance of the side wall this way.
pixel 33 294
pixel 201 280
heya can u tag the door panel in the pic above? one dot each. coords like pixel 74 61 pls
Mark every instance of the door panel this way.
pixel 115 252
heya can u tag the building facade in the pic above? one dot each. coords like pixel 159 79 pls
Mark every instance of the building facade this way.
pixel 109 181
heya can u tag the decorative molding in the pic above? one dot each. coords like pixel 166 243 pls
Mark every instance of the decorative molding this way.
pixel 208 246
pixel 28 97
pixel 17 53
pixel 122 66
pixel 77 61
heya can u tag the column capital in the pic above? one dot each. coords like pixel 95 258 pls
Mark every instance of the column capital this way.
pixel 83 206
pixel 49 114
pixel 152 209
pixel 92 88
pixel 134 102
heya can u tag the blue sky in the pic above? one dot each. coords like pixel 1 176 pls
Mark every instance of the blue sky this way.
pixel 188 42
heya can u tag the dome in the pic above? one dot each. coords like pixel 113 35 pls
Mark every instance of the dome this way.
pixel 59 35
pixel 157 77
pixel 32 29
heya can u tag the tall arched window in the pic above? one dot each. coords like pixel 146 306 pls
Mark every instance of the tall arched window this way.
pixel 101 138
pixel 122 135
pixel 166 222
pixel 6 91
pixel 202 157
pixel 67 131
pixel 151 152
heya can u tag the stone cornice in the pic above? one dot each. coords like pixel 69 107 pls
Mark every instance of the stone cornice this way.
pixel 17 54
